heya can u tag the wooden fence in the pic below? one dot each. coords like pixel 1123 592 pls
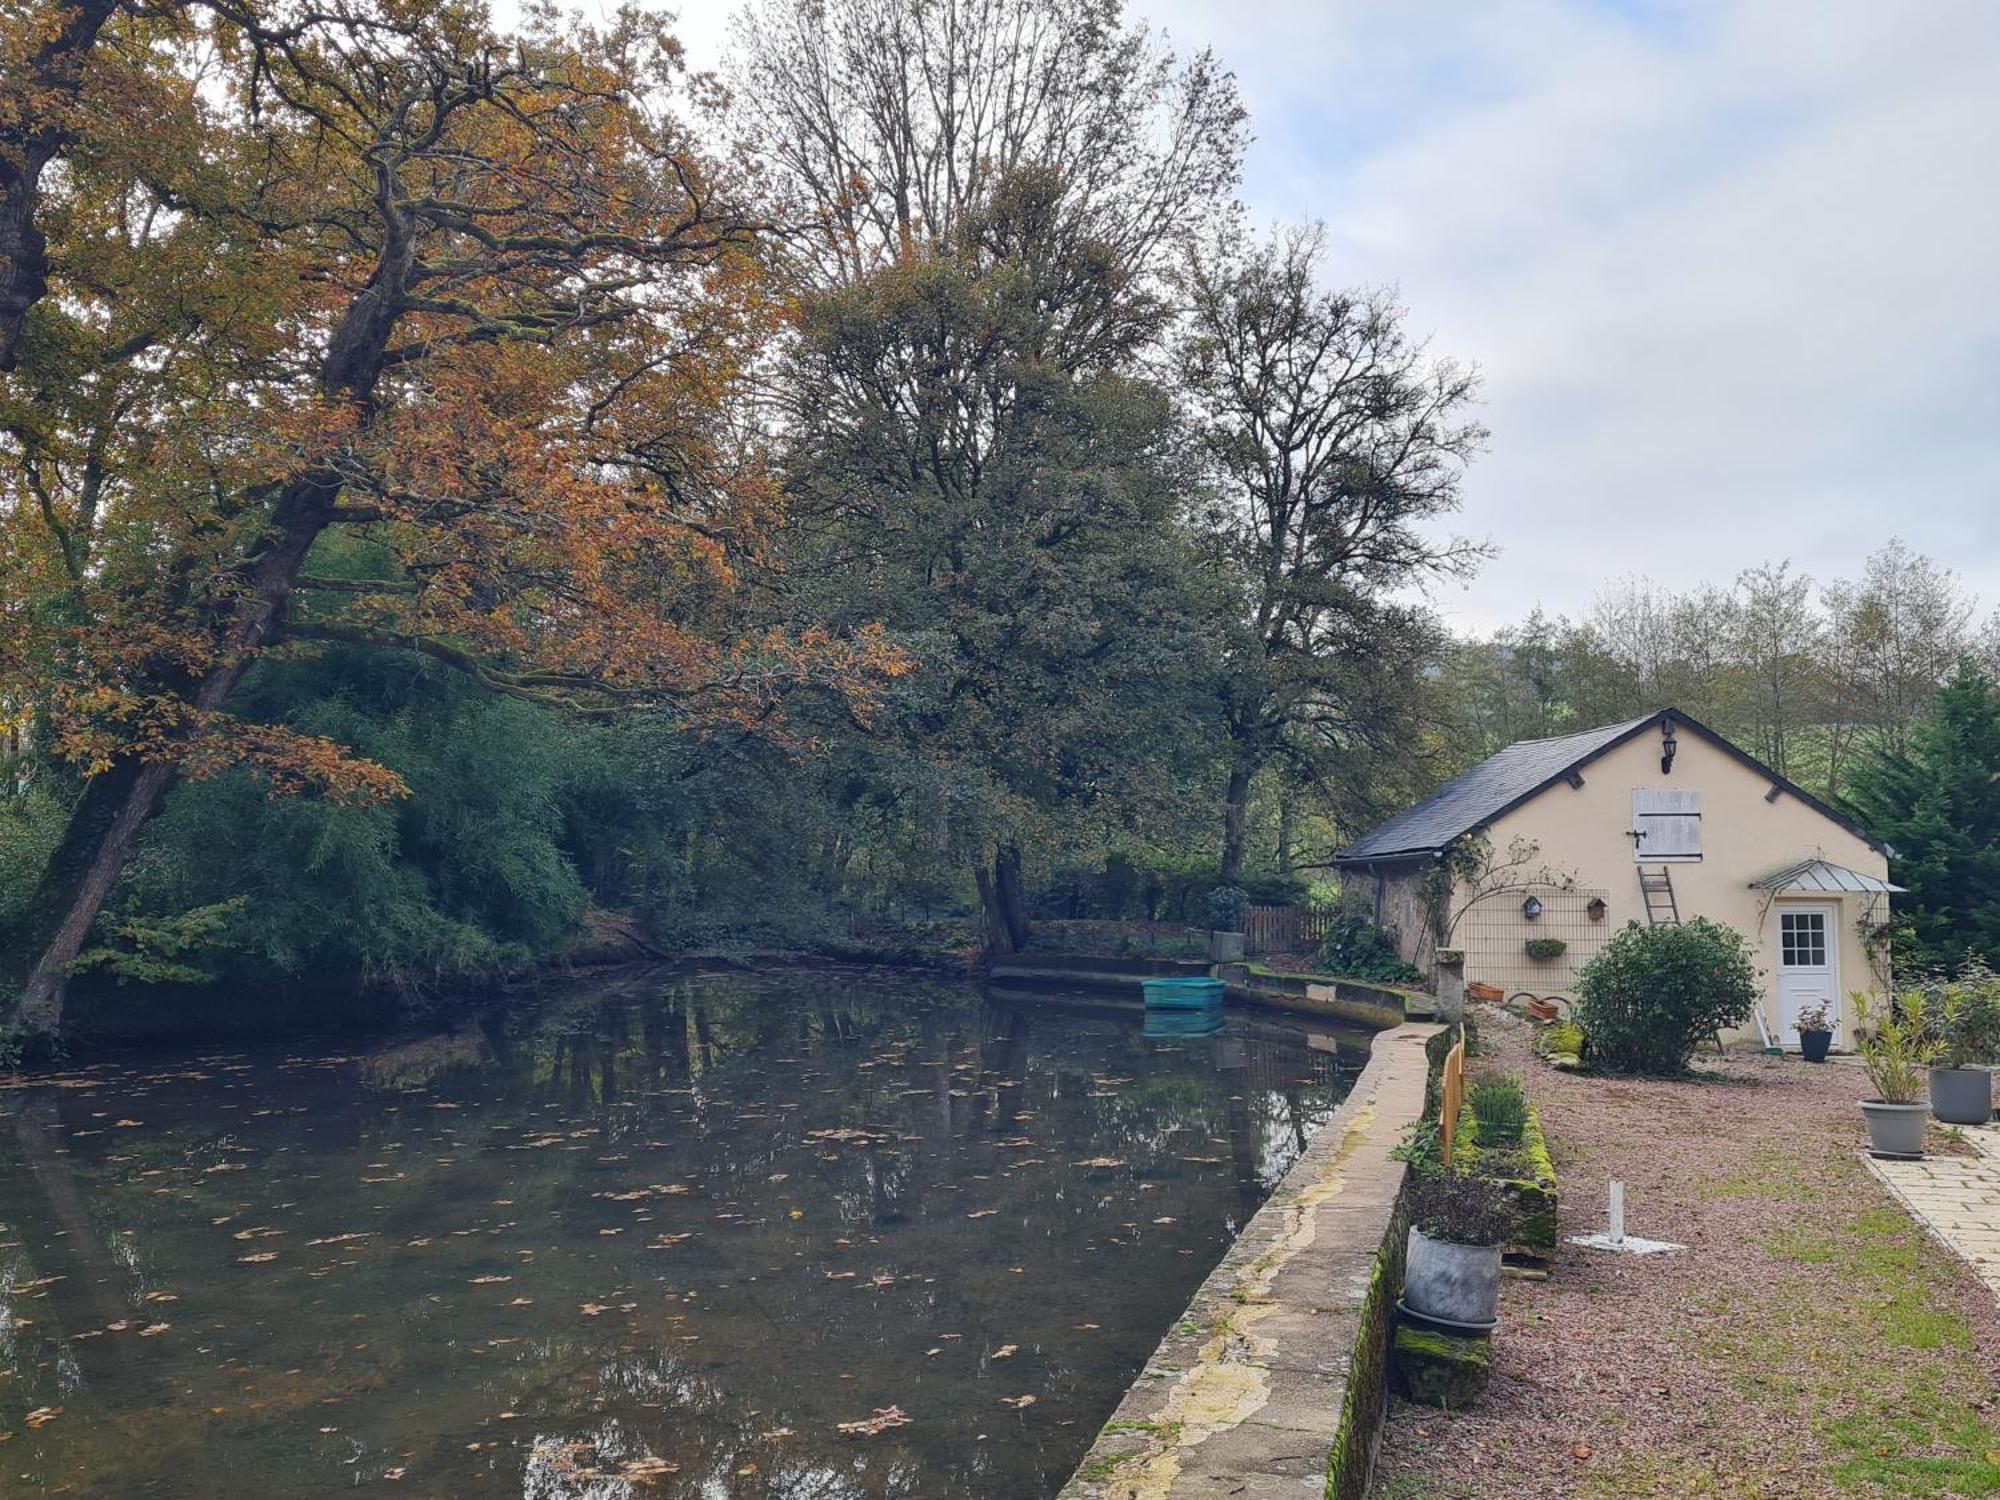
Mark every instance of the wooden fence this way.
pixel 1285 929
pixel 1453 1096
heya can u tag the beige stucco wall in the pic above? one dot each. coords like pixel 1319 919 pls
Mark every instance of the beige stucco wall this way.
pixel 1583 832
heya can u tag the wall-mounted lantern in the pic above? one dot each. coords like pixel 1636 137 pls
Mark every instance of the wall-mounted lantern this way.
pixel 1531 908
pixel 1667 747
pixel 1596 910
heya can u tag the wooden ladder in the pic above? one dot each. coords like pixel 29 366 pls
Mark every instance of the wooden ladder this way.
pixel 1657 887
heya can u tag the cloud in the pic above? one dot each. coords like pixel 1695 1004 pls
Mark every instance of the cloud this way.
pixel 1728 266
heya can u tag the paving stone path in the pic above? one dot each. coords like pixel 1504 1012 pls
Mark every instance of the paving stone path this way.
pixel 1956 1198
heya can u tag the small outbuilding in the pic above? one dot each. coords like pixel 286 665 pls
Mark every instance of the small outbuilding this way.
pixel 1529 862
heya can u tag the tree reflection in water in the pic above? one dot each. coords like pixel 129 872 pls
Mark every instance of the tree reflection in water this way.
pixel 658 1236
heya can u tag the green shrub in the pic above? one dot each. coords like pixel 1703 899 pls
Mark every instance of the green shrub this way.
pixel 1227 905
pixel 1898 1050
pixel 1546 947
pixel 1652 994
pixel 1967 1017
pixel 1502 1111
pixel 1564 1039
pixel 1461 1210
pixel 1357 948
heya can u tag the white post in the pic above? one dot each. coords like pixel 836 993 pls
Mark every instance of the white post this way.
pixel 1617 1213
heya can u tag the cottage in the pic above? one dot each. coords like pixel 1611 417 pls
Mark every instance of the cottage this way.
pixel 1530 861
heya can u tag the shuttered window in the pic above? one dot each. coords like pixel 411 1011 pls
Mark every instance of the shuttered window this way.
pixel 1666 824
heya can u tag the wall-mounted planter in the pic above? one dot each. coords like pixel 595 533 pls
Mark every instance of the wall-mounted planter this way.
pixel 1545 948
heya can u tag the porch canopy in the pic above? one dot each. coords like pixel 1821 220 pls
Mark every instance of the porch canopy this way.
pixel 1824 877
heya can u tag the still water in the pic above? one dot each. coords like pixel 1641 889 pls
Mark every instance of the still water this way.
pixel 798 1234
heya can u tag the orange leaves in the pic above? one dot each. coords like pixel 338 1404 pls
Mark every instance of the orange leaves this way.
pixel 97 723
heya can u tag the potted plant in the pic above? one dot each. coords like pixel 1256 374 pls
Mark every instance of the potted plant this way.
pixel 1895 1052
pixel 1815 1027
pixel 1458 1230
pixel 1546 947
pixel 1226 908
pixel 1969 1027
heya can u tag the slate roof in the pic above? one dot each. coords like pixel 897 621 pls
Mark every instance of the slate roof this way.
pixel 1504 781
pixel 1487 790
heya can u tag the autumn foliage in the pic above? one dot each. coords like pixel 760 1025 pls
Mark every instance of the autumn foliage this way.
pixel 368 324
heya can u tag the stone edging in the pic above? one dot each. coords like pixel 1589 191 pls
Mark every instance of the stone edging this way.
pixel 1271 1383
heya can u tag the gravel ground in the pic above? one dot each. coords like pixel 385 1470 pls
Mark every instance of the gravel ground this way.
pixel 1810 1340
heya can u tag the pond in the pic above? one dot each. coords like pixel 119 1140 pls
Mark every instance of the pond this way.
pixel 791 1234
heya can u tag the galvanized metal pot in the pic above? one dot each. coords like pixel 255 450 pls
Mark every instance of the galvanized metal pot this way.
pixel 1456 1284
pixel 1894 1129
pixel 1962 1096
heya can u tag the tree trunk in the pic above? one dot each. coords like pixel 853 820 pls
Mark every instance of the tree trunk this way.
pixel 1235 811
pixel 1285 834
pixel 999 937
pixel 35 138
pixel 302 513
pixel 1013 900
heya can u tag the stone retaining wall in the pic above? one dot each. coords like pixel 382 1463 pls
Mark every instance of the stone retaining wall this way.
pixel 1272 1381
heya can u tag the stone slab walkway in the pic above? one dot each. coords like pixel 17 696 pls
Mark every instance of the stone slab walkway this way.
pixel 1955 1198
pixel 1245 1398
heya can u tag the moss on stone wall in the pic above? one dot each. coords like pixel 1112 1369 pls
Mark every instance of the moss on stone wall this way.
pixel 1352 1461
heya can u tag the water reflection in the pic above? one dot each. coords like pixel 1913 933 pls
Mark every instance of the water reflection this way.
pixel 663 1238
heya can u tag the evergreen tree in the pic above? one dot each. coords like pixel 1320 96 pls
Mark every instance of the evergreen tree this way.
pixel 1937 804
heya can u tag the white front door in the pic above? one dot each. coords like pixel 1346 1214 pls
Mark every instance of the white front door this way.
pixel 1808 966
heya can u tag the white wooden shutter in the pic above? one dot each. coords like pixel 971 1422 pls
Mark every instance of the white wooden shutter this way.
pixel 1666 823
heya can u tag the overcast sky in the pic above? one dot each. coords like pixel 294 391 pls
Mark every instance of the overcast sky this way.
pixel 1729 266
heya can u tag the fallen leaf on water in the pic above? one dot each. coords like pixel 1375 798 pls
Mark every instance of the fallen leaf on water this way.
pixel 41 1416
pixel 982 1213
pixel 257 1258
pixel 647 1470
pixel 489 1280
pixel 1101 1162
pixel 591 1309
pixel 152 1328
pixel 774 1433
pixel 885 1417
pixel 933 1353
pixel 1017 1402
pixel 1005 1351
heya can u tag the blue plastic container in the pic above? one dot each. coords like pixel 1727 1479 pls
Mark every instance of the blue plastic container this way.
pixel 1161 1025
pixel 1183 994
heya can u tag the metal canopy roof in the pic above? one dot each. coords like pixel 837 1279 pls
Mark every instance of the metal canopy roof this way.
pixel 1823 875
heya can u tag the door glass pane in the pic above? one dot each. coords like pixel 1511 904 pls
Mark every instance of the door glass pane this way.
pixel 1802 939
